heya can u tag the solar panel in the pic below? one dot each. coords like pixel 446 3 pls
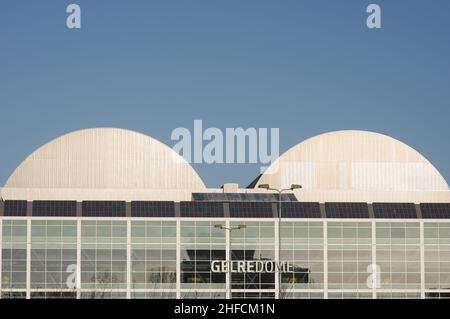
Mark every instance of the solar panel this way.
pixel 242 197
pixel 55 208
pixel 152 209
pixel 201 209
pixel 300 210
pixel 435 210
pixel 251 209
pixel 104 209
pixel 394 210
pixel 15 208
pixel 347 210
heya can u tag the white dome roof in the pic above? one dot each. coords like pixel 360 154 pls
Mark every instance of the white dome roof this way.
pixel 354 161
pixel 105 158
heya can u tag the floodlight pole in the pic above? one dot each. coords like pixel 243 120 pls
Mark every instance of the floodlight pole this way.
pixel 229 229
pixel 280 192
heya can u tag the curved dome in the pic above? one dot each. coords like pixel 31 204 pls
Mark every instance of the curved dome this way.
pixel 105 158
pixel 354 161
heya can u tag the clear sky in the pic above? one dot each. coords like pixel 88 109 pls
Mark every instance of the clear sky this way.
pixel 306 67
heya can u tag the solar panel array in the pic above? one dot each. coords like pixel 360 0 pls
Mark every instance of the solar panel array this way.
pixel 347 210
pixel 394 210
pixel 242 197
pixel 55 208
pixel 435 210
pixel 201 209
pixel 243 209
pixel 104 209
pixel 15 208
pixel 152 209
pixel 300 210
pixel 251 209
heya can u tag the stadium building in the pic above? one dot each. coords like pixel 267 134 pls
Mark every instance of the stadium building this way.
pixel 110 213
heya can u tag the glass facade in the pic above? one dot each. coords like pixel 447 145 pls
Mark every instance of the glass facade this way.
pixel 153 256
pixel 14 256
pixel 53 252
pixel 398 255
pixel 253 243
pixel 349 255
pixel 200 243
pixel 437 256
pixel 302 246
pixel 175 257
pixel 103 256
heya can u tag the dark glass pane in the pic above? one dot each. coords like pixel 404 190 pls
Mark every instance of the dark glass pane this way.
pixel 201 209
pixel 435 210
pixel 242 197
pixel 152 209
pixel 251 209
pixel 394 210
pixel 300 210
pixel 55 208
pixel 15 208
pixel 347 210
pixel 104 209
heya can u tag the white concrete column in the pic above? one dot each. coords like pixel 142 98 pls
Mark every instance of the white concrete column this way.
pixel 422 260
pixel 78 271
pixel 128 259
pixel 28 276
pixel 228 258
pixel 277 258
pixel 178 259
pixel 374 257
pixel 325 259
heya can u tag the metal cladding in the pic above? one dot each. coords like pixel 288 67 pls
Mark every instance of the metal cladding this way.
pixel 116 164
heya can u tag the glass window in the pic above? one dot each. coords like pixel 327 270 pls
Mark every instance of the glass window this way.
pixel 437 255
pixel 53 257
pixel 153 255
pixel 14 254
pixel 398 255
pixel 349 254
pixel 103 255
pixel 201 243
pixel 304 255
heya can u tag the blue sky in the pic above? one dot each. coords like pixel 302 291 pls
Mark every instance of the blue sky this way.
pixel 306 67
